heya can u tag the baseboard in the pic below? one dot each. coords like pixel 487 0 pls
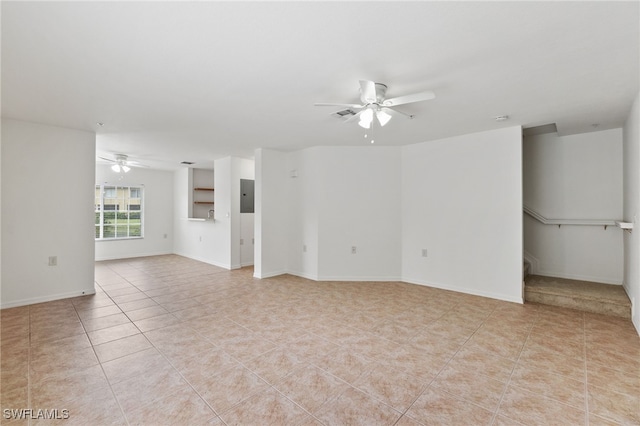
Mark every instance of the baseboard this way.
pixel 533 261
pixel 465 290
pixel 132 255
pixel 351 278
pixel 577 277
pixel 269 274
pixel 203 260
pixel 303 275
pixel 48 298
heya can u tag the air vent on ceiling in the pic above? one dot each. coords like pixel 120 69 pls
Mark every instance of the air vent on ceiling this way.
pixel 344 113
pixel 187 163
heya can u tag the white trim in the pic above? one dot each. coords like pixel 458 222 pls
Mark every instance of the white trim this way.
pixel 131 255
pixel 464 290
pixel 269 274
pixel 350 278
pixel 49 298
pixel 303 275
pixel 533 261
pixel 203 260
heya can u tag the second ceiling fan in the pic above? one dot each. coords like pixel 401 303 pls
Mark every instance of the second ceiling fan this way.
pixel 376 107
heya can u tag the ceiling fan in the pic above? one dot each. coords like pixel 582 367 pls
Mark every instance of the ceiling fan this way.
pixel 374 104
pixel 122 163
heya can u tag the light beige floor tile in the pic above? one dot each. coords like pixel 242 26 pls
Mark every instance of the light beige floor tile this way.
pixel 527 408
pixel 471 386
pixel 354 407
pixel 121 347
pixel 437 407
pixel 550 385
pixel 267 408
pixel 109 334
pixel 615 406
pixel 393 387
pixel 183 407
pixel 284 344
pixel 224 390
pixel 93 324
pixel 311 387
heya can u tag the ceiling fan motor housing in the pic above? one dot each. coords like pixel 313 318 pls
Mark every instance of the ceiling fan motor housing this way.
pixel 381 91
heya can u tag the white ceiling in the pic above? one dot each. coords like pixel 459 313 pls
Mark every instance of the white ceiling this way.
pixel 197 81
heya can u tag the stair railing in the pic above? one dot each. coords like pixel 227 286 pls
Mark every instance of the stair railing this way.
pixel 580 222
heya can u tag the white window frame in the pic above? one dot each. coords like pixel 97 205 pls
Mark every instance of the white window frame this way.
pixel 99 209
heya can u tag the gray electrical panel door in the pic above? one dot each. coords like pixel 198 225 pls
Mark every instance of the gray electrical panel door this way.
pixel 246 196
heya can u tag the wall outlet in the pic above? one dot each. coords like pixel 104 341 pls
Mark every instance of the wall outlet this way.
pixel 424 252
pixel 354 249
pixel 53 260
pixel 304 248
pixel 165 235
pixel 241 241
pixel 200 238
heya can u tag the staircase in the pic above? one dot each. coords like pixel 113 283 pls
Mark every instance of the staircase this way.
pixel 585 296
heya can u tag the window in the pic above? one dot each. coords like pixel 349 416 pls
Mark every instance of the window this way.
pixel 118 211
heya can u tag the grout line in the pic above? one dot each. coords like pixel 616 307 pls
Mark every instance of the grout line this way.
pixel 586 374
pixel 508 383
pixel 100 363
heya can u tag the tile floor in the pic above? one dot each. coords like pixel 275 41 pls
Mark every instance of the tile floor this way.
pixel 168 340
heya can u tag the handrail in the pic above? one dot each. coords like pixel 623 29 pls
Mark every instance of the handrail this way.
pixel 586 222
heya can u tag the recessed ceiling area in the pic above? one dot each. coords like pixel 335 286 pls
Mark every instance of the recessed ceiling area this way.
pixel 203 80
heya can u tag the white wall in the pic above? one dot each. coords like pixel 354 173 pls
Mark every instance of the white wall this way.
pixel 462 201
pixel 215 242
pixel 271 213
pixel 158 213
pixel 631 156
pixel 359 206
pixel 206 241
pixel 47 210
pixel 574 177
pixel 461 198
pixel 302 191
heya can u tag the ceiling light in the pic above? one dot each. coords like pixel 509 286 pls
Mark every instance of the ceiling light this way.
pixel 383 117
pixel 116 168
pixel 366 118
pixel 126 169
pixel 501 118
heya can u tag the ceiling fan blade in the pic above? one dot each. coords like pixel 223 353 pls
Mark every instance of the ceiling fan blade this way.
pixel 107 159
pixel 396 113
pixel 343 105
pixel 368 92
pixel 407 99
pixel 354 117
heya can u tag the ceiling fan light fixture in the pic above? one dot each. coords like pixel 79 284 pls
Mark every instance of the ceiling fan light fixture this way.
pixel 366 118
pixel 126 168
pixel 116 168
pixel 383 117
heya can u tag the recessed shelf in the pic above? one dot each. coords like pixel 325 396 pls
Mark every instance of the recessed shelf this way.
pixel 201 194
